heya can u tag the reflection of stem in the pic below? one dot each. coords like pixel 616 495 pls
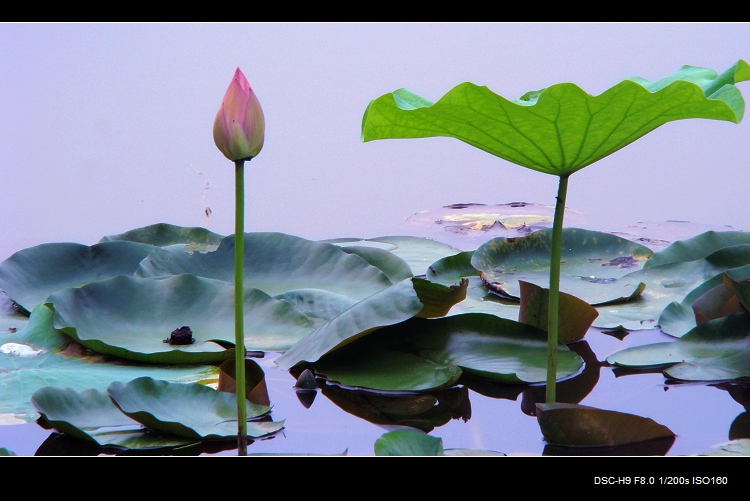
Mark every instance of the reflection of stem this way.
pixel 239 335
pixel 554 289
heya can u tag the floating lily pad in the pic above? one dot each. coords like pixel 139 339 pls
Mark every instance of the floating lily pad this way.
pixel 32 274
pixel 188 410
pixel 432 354
pixel 594 267
pixel 408 443
pixel 698 247
pixel 163 235
pixel 276 263
pixel 90 415
pixel 717 350
pixel 132 318
pixel 21 376
pixel 417 252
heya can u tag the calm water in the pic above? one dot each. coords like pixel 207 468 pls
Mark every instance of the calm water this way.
pixel 488 417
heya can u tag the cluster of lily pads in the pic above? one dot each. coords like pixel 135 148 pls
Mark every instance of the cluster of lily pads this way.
pixel 390 314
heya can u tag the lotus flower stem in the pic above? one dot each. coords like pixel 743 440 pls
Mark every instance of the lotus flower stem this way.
pixel 554 289
pixel 239 327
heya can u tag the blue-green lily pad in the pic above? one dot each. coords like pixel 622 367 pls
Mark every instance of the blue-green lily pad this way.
pixel 276 263
pixel 164 235
pixel 717 350
pixel 594 267
pixel 32 274
pixel 133 318
pixel 188 410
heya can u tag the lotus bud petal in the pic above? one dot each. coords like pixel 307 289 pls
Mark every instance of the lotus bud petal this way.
pixel 239 128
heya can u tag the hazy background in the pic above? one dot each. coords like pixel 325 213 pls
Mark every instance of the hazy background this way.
pixel 108 127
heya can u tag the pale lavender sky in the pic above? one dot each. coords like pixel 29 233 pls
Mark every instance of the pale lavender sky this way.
pixel 108 127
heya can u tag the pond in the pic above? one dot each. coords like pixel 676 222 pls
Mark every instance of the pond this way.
pixel 476 415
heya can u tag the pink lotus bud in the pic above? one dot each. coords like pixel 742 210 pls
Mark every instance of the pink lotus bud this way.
pixel 239 128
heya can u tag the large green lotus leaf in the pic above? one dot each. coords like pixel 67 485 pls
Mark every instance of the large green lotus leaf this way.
pixel 594 265
pixel 32 274
pixel 132 318
pixel 672 287
pixel 408 443
pixel 163 235
pixel 697 247
pixel 418 252
pixel 90 415
pixel 276 263
pixel 583 426
pixel 561 129
pixel 717 350
pixel 188 410
pixel 387 307
pixel 37 361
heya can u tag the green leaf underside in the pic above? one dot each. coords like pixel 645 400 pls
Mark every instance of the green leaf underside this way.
pixel 561 129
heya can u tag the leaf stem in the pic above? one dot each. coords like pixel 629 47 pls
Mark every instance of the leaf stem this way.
pixel 239 334
pixel 554 289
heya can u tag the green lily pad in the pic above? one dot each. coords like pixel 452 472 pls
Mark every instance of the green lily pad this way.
pixel 395 268
pixel 276 263
pixel 90 415
pixel 32 274
pixel 163 235
pixel 46 364
pixel 133 318
pixel 717 350
pixel 408 443
pixel 698 247
pixel 561 129
pixel 190 410
pixel 390 306
pixel 594 267
pixel 432 354
pixel 417 252
pixel 583 426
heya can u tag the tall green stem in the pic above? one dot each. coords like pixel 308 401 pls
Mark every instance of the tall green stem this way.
pixel 239 327
pixel 554 290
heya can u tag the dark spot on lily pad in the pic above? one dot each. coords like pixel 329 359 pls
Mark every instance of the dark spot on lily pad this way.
pixel 181 336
